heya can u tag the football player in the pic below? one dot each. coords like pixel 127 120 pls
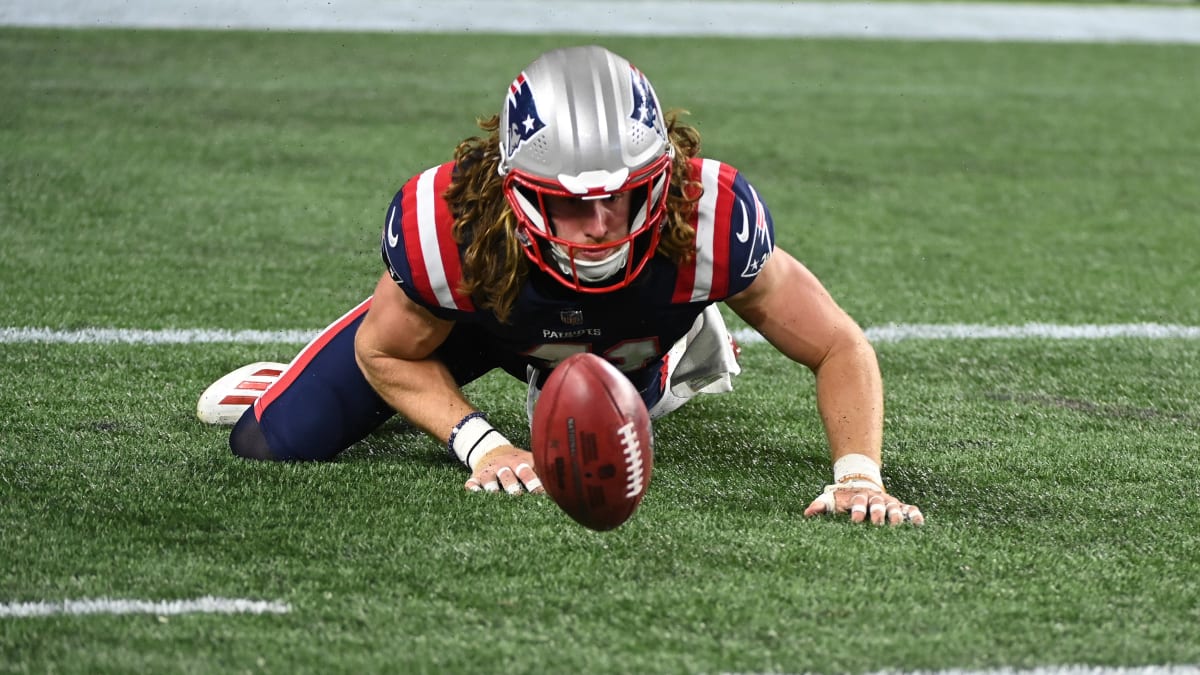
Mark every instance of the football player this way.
pixel 582 220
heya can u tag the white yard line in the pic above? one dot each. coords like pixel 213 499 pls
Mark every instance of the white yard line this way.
pixel 205 605
pixel 1065 670
pixel 169 336
pixel 856 20
pixel 892 332
pixel 895 332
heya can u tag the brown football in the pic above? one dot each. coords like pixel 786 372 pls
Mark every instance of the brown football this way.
pixel 591 441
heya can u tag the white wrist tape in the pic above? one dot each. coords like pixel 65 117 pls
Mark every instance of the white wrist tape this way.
pixel 855 470
pixel 473 437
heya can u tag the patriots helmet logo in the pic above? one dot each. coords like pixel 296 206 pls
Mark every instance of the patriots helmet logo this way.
pixel 645 105
pixel 523 119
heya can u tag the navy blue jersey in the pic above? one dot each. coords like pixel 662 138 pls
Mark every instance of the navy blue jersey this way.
pixel 633 327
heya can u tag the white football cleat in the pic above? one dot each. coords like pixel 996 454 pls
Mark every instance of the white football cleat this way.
pixel 226 399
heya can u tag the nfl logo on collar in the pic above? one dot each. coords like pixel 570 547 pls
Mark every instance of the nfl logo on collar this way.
pixel 571 317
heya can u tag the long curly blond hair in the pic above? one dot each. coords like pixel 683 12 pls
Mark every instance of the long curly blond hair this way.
pixel 494 266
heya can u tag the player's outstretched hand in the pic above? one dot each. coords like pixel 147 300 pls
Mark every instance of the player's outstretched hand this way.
pixel 505 468
pixel 865 504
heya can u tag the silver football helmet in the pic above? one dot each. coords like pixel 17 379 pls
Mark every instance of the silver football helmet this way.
pixel 583 122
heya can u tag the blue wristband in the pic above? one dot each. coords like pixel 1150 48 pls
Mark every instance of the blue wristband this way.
pixel 458 427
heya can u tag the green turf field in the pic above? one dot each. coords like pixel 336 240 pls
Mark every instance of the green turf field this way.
pixel 172 179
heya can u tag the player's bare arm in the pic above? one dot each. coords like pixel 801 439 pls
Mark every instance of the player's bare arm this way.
pixel 790 307
pixel 394 348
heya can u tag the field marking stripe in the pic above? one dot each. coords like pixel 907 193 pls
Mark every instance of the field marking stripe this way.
pixel 205 605
pixel 851 19
pixel 1167 669
pixel 892 332
pixel 924 331
pixel 169 336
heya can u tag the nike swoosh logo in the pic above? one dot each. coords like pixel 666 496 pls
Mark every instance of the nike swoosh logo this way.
pixel 744 235
pixel 393 238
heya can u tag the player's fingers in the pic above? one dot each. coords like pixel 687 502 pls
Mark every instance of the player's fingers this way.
pixel 816 507
pixel 473 484
pixel 858 508
pixel 508 480
pixel 878 509
pixel 527 476
pixel 915 516
pixel 896 513
pixel 830 501
pixel 824 503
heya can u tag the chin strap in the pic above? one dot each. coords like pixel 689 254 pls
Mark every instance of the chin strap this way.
pixel 592 271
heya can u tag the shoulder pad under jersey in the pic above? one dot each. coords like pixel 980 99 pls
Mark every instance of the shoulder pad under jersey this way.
pixel 418 244
pixel 734 236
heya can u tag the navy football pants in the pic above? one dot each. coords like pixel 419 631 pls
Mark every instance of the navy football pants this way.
pixel 322 404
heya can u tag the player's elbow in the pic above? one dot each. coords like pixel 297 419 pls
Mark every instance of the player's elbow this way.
pixel 371 359
pixel 851 346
